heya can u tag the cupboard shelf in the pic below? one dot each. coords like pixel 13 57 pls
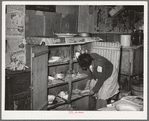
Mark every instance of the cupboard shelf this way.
pixel 52 106
pixel 73 98
pixel 49 107
pixel 66 82
pixel 60 63
pixel 78 43
pixel 64 41
pixel 76 97
pixel 55 85
pixel 38 56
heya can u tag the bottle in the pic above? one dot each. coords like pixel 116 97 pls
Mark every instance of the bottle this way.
pixel 140 33
pixel 135 37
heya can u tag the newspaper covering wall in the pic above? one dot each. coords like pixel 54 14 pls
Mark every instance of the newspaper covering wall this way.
pixel 15 31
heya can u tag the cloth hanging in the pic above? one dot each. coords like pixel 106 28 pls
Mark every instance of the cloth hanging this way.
pixel 109 88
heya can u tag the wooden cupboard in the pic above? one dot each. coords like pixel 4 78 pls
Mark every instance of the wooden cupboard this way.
pixel 131 62
pixel 37 60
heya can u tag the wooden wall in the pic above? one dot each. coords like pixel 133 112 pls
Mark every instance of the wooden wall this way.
pixel 85 20
pixel 47 23
pixel 69 9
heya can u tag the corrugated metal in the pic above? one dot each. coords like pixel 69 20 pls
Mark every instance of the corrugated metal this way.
pixel 109 50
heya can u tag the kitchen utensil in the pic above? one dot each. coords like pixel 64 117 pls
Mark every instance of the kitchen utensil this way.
pixel 65 34
pixel 85 91
pixel 50 78
pixel 51 98
pixel 126 107
pixel 63 95
pixel 76 91
pixel 125 40
pixel 84 34
pixel 54 59
pixel 60 76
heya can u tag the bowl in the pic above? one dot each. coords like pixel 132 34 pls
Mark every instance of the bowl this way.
pixel 54 59
pixel 60 76
pixel 76 91
pixel 62 93
pixel 65 97
pixel 51 98
pixel 65 34
pixel 126 107
pixel 84 34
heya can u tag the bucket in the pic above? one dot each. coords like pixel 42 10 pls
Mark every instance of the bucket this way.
pixel 137 89
pixel 125 40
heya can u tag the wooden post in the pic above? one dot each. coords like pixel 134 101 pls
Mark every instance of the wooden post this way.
pixel 129 80
pixel 70 68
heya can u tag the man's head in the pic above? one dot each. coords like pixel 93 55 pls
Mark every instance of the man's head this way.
pixel 85 60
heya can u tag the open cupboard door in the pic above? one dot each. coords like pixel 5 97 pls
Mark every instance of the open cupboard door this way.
pixel 39 65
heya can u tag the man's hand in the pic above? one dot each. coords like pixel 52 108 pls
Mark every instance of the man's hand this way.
pixel 91 92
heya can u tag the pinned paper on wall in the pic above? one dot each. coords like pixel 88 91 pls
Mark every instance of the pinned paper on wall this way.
pixel 14 50
pixel 15 20
pixel 18 9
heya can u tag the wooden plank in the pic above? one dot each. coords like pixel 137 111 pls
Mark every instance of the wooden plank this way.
pixel 57 89
pixel 49 8
pixel 57 23
pixel 39 78
pixel 28 55
pixel 41 53
pixel 52 23
pixel 69 23
pixel 125 62
pixel 138 59
pixel 34 26
pixel 83 23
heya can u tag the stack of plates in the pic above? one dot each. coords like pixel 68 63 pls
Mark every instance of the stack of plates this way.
pixel 65 34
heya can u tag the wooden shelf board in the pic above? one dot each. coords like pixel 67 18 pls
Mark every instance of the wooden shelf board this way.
pixel 52 106
pixel 60 63
pixel 79 43
pixel 66 82
pixel 56 105
pixel 66 44
pixel 76 97
pixel 58 84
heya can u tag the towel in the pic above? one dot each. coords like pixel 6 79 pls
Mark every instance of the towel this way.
pixel 109 88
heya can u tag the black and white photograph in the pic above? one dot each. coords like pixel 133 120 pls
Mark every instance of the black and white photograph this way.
pixel 74 60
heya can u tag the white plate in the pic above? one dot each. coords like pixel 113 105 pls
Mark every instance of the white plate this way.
pixel 65 34
pixel 126 107
pixel 85 91
pixel 51 98
pixel 54 59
